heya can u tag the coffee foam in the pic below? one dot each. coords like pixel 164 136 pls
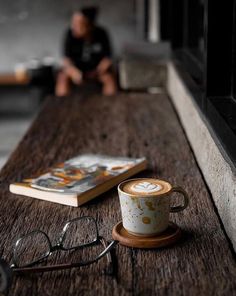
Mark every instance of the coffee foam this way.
pixel 145 187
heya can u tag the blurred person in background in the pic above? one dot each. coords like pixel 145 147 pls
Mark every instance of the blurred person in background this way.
pixel 87 55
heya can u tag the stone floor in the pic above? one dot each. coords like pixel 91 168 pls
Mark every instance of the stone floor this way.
pixel 11 132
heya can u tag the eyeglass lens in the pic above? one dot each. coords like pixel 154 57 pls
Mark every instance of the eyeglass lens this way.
pixel 79 232
pixel 31 248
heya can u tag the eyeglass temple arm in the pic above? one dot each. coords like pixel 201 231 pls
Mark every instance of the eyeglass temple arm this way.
pixel 109 269
pixel 69 265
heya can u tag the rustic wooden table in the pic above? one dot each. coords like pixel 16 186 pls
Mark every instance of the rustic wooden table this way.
pixel 202 263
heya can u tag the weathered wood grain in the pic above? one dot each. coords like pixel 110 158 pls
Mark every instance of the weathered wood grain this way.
pixel 129 125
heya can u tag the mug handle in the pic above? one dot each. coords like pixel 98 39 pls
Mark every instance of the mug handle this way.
pixel 186 199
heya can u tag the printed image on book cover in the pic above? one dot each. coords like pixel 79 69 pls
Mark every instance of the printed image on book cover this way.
pixel 83 173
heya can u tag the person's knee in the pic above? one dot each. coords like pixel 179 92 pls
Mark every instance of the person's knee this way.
pixel 62 77
pixel 107 77
pixel 109 83
pixel 62 85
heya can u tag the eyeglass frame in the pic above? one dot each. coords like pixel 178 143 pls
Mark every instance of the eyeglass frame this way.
pixel 59 246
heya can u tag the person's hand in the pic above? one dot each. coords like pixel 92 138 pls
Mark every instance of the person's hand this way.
pixel 104 65
pixel 75 74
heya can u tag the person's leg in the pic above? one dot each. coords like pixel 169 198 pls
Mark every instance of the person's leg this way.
pixel 62 84
pixel 109 85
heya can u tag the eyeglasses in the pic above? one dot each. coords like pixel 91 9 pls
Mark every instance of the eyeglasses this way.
pixel 80 234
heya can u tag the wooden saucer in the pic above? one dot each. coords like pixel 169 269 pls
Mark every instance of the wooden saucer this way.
pixel 166 238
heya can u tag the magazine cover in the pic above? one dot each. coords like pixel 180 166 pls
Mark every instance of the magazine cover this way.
pixel 83 173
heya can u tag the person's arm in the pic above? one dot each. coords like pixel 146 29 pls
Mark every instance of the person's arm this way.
pixel 68 66
pixel 73 72
pixel 106 62
pixel 104 65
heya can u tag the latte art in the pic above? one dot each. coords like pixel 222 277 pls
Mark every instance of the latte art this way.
pixel 145 187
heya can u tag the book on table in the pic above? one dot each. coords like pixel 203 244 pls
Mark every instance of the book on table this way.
pixel 80 179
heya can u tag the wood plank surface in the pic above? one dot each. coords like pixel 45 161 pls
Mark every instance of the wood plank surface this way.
pixel 136 125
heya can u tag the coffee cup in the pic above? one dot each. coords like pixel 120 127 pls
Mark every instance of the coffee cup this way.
pixel 145 205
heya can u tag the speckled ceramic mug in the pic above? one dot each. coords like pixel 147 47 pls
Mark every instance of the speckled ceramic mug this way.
pixel 145 205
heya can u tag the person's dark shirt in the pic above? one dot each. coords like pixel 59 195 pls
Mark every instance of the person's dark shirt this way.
pixel 87 55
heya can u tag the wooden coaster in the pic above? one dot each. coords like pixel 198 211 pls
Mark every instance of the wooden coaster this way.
pixel 166 238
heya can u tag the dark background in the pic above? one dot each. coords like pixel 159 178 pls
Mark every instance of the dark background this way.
pixel 36 27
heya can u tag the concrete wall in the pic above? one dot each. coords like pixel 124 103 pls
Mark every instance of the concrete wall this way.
pixel 217 169
pixel 34 28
